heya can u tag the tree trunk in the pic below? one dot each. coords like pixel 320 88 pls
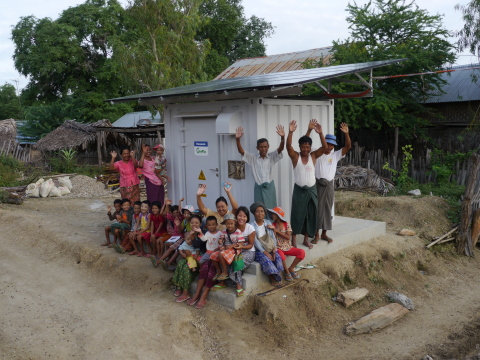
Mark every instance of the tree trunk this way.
pixel 475 227
pixel 464 236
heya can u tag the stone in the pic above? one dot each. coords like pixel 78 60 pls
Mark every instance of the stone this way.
pixel 350 297
pixel 401 299
pixel 407 232
pixel 377 319
pixel 415 192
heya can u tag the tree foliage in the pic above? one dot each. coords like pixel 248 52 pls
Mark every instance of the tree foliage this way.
pixel 469 36
pixel 392 29
pixel 9 103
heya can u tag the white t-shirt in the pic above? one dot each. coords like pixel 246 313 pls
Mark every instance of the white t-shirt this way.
pixel 248 230
pixel 326 165
pixel 211 240
pixel 262 169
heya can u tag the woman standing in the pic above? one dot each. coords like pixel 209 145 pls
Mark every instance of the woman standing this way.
pixel 266 244
pixel 153 184
pixel 129 182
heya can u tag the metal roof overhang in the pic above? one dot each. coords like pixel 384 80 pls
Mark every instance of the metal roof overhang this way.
pixel 274 84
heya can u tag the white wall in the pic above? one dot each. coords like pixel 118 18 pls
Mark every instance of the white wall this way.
pixel 259 118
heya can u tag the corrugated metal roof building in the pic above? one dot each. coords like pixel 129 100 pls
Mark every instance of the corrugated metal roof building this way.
pixel 274 63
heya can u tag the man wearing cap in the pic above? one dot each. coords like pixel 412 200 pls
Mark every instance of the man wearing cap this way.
pixel 262 167
pixel 325 169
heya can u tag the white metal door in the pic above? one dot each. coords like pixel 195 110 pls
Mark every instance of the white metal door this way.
pixel 202 165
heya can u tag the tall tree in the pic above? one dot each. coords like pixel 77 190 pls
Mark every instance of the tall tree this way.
pixel 392 29
pixel 469 36
pixel 232 36
pixel 9 103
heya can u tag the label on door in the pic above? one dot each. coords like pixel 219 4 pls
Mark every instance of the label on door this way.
pixel 202 176
pixel 200 148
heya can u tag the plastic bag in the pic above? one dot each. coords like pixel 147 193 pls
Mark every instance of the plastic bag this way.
pixel 39 182
pixel 33 190
pixel 46 187
pixel 63 190
pixel 65 181
pixel 54 192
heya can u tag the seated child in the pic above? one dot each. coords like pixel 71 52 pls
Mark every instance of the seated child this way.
pixel 124 223
pixel 186 213
pixel 212 238
pixel 126 245
pixel 117 204
pixel 174 221
pixel 157 231
pixel 161 164
pixel 228 238
pixel 283 233
pixel 142 230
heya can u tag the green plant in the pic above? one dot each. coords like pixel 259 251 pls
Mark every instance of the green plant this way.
pixel 9 171
pixel 401 177
pixel 443 163
pixel 68 157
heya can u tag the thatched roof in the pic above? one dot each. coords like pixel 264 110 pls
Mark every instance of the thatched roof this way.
pixel 72 134
pixel 8 130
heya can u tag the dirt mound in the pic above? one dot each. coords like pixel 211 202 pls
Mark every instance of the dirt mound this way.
pixel 426 215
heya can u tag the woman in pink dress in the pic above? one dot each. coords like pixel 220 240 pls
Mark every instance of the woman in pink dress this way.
pixel 153 184
pixel 127 167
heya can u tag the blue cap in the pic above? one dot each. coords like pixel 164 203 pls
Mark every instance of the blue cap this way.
pixel 331 139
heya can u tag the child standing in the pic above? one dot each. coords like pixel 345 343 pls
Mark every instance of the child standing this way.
pixel 117 204
pixel 228 239
pixel 157 231
pixel 212 238
pixel 283 233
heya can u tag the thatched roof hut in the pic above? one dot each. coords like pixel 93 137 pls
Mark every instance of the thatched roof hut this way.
pixel 8 130
pixel 72 134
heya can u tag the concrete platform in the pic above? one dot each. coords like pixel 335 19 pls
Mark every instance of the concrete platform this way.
pixel 346 232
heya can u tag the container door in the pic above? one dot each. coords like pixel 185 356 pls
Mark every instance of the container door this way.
pixel 202 165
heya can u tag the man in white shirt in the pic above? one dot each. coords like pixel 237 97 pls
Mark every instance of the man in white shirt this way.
pixel 325 169
pixel 262 167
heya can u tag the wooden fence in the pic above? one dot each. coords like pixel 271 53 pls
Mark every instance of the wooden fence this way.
pixel 419 168
pixel 13 148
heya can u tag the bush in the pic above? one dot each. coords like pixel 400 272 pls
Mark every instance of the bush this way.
pixel 10 169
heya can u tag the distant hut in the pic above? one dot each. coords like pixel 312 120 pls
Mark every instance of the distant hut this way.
pixel 91 145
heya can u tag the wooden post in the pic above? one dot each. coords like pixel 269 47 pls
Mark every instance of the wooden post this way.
pixel 159 135
pixel 464 237
pixel 99 149
pixel 395 151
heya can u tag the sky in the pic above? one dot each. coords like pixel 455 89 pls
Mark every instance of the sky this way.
pixel 299 25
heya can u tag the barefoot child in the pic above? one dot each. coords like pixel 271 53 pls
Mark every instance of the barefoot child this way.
pixel 283 233
pixel 126 245
pixel 212 238
pixel 228 239
pixel 122 227
pixel 142 228
pixel 174 221
pixel 117 204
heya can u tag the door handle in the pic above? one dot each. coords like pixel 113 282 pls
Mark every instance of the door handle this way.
pixel 214 169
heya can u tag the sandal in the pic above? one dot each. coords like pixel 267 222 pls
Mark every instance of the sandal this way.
pixel 140 254
pixel 134 253
pixel 191 303
pixel 327 239
pixel 200 305
pixel 294 275
pixel 163 264
pixel 218 287
pixel 117 248
pixel 222 278
pixel 177 293
pixel 154 261
pixel 314 241
pixel 172 268
pixel 288 277
pixel 215 278
pixel 276 284
pixel 240 292
pixel 147 255
pixel 182 298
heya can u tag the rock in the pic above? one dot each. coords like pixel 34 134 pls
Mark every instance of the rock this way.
pixel 350 297
pixel 401 299
pixel 427 357
pixel 415 192
pixel 407 232
pixel 377 319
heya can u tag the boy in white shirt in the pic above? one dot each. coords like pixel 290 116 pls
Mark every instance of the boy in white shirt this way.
pixel 212 238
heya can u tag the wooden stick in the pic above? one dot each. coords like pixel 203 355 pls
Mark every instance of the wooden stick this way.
pixel 442 237
pixel 446 240
pixel 274 290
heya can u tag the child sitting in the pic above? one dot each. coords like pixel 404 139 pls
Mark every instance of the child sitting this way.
pixel 186 213
pixel 126 245
pixel 283 232
pixel 142 230
pixel 212 238
pixel 117 204
pixel 228 238
pixel 157 231
pixel 124 223
pixel 161 164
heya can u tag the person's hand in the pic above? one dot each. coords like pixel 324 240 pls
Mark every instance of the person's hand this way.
pixel 237 246
pixel 144 148
pixel 201 189
pixel 177 222
pixel 182 199
pixel 222 248
pixel 114 154
pixel 239 132
pixel 293 126
pixel 269 256
pixel 280 130
pixel 188 253
pixel 119 218
pixel 318 128
pixel 344 128
pixel 311 124
pixel 132 153
pixel 109 209
pixel 168 202
pixel 227 188
pixel 271 227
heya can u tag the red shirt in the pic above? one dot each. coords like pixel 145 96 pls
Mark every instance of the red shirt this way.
pixel 157 220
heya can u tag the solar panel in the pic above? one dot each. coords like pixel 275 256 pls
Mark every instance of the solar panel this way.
pixel 280 79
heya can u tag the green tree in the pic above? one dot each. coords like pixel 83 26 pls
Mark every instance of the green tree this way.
pixel 469 36
pixel 231 35
pixel 9 103
pixel 392 29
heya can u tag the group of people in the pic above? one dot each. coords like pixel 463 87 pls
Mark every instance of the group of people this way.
pixel 218 245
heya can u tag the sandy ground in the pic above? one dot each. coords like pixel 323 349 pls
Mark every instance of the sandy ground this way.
pixel 64 296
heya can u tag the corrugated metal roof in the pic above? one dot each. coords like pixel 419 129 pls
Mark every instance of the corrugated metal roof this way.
pixel 265 81
pixel 138 118
pixel 274 63
pixel 463 85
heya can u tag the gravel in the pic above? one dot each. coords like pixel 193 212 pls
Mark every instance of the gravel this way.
pixel 85 186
